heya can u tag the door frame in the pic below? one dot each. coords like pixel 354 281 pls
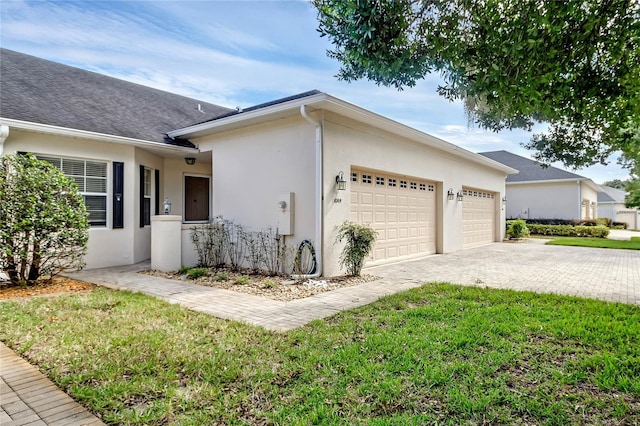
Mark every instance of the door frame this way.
pixel 184 196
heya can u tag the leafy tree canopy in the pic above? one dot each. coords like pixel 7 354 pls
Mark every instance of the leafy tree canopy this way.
pixel 574 64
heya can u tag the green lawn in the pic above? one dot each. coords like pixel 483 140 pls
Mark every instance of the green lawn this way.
pixel 438 354
pixel 633 244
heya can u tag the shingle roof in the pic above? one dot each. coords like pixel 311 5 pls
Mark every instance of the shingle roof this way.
pixel 266 104
pixel 529 170
pixel 36 90
pixel 611 195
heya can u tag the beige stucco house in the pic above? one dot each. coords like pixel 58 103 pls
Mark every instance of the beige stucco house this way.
pixel 538 192
pixel 272 165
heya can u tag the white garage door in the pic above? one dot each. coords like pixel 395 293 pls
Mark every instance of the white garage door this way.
pixel 402 209
pixel 479 217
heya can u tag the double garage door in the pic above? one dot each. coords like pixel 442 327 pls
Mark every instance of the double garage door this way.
pixel 478 217
pixel 402 209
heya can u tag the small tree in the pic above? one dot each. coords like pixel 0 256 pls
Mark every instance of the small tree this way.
pixel 43 220
pixel 359 242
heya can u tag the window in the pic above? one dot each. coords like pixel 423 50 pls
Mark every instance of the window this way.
pixel 423 187
pixel 432 188
pixel 366 178
pixel 91 178
pixel 379 180
pixel 403 184
pixel 414 185
pixel 392 182
pixel 354 177
pixel 147 197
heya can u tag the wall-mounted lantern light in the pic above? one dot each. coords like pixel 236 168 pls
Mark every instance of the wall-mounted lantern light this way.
pixel 341 184
pixel 450 194
pixel 190 160
pixel 593 204
pixel 459 196
pixel 584 203
pixel 504 200
pixel 166 206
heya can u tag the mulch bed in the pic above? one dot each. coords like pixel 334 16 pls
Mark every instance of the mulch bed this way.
pixel 280 288
pixel 54 286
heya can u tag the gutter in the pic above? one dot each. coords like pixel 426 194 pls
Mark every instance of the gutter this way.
pixel 86 134
pixel 318 206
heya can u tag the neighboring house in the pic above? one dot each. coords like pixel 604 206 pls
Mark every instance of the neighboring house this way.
pixel 611 205
pixel 538 192
pixel 130 147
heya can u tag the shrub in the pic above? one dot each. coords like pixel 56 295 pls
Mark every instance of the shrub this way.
pixel 273 250
pixel 234 244
pixel 183 270
pixel 604 221
pixel 210 244
pixel 569 231
pixel 269 283
pixel 221 277
pixel 254 255
pixel 243 280
pixel 44 225
pixel 197 273
pixel 517 228
pixel 619 225
pixel 359 240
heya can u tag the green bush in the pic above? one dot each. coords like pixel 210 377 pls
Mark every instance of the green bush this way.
pixel 44 226
pixel 604 221
pixel 197 273
pixel 517 228
pixel 569 231
pixel 359 242
pixel 243 280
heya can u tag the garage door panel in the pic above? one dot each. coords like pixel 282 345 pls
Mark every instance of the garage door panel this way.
pixel 402 210
pixel 479 213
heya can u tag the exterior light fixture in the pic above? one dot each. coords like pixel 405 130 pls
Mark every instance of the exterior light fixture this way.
pixel 584 203
pixel 504 200
pixel 459 196
pixel 190 160
pixel 450 194
pixel 166 206
pixel 341 184
pixel 593 204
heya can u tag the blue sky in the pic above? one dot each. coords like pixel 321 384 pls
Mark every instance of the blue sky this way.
pixel 232 53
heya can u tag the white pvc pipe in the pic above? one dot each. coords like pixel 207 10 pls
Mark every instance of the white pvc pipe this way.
pixel 318 240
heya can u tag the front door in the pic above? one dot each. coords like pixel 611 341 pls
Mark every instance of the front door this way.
pixel 196 199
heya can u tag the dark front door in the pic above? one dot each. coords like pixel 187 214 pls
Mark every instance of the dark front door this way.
pixel 196 199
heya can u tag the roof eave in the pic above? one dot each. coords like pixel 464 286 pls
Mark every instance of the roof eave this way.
pixel 587 181
pixel 324 101
pixel 85 134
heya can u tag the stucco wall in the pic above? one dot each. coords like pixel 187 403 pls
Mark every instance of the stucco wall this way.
pixel 350 144
pixel 252 169
pixel 558 200
pixel 107 246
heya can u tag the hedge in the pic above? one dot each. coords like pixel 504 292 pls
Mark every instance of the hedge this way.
pixel 569 230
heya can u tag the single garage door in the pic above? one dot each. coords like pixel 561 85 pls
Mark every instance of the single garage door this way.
pixel 402 209
pixel 479 217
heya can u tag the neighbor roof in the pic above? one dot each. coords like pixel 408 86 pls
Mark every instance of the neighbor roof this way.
pixel 530 170
pixel 45 92
pixel 611 195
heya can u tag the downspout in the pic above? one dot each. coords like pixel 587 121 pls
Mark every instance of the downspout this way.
pixel 579 200
pixel 4 134
pixel 319 197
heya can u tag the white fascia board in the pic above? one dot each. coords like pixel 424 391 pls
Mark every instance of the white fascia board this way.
pixel 85 134
pixel 323 101
pixel 586 181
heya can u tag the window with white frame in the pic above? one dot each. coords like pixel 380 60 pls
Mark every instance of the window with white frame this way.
pixel 91 178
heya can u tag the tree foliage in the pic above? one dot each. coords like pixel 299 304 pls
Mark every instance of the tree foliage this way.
pixel 43 220
pixel 574 64
pixel 632 186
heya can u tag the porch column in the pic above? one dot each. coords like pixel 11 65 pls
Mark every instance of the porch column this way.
pixel 166 242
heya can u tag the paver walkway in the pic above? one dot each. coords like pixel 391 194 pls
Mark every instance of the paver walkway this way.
pixel 27 397
pixel 606 274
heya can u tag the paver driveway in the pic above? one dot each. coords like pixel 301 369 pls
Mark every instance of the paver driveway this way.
pixel 607 274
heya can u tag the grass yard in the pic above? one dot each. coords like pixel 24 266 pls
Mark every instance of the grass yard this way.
pixel 633 244
pixel 437 354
